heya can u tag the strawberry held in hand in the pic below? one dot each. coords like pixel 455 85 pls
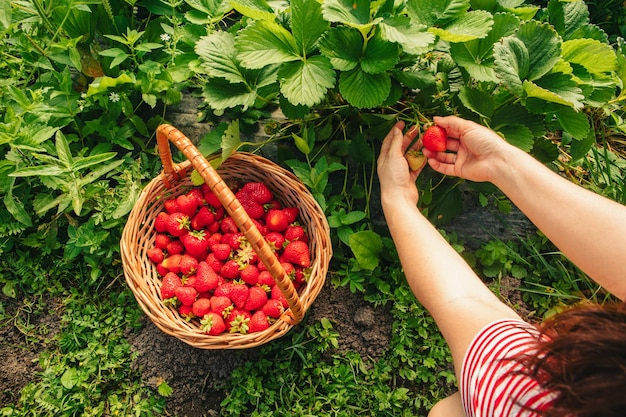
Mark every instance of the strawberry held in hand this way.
pixel 435 139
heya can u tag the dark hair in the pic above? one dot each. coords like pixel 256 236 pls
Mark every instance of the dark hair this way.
pixel 583 360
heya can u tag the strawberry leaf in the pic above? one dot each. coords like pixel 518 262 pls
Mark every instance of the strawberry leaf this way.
pixel 413 38
pixel 349 12
pixel 254 9
pixel 364 90
pixel 307 24
pixel 366 246
pixel 306 82
pixel 475 24
pixel 264 43
pixel 342 45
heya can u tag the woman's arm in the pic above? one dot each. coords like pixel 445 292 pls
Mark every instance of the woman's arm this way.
pixel 588 228
pixel 439 277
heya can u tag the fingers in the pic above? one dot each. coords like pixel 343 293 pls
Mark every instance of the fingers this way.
pixel 389 139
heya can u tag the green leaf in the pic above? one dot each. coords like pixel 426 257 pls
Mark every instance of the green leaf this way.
pixel 349 12
pixel 480 102
pixel 591 54
pixel 102 84
pixel 221 94
pixel 568 17
pixel 342 45
pixel 306 82
pixel 17 209
pixel 471 25
pixel 517 135
pixel 263 43
pixel 219 56
pixel 46 170
pixel 366 246
pixel 117 54
pixel 573 122
pixel 414 38
pixel 5 14
pixel 556 88
pixel 69 378
pixel 363 90
pixel 511 63
pixel 307 24
pixel 543 45
pixel 63 150
pixel 379 56
pixel 231 140
pixel 431 13
pixel 254 9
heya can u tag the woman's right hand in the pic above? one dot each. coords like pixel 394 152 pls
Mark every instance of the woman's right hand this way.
pixel 473 150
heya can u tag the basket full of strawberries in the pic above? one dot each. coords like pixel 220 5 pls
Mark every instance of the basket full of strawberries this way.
pixel 230 261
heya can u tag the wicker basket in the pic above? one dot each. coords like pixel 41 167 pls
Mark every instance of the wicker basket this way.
pixel 138 236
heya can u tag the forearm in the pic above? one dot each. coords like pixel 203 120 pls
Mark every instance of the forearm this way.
pixel 589 229
pixel 439 277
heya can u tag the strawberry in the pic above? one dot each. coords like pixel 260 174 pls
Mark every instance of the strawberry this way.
pixel 266 279
pixel 161 240
pixel 258 192
pixel 277 294
pixel 249 274
pixel 273 308
pixel 160 222
pixel 237 321
pixel 291 213
pixel 210 197
pixel 221 305
pixel 189 281
pixel 301 275
pixel 232 239
pixel 156 255
pixel 416 159
pixel 201 307
pixel 170 205
pixel 214 263
pixel 213 324
pixel 228 225
pixel 186 312
pixel 262 227
pixel 161 270
pixel 295 232
pixel 257 297
pixel 230 270
pixel 435 139
pixel 188 264
pixel 187 205
pixel 186 295
pixel 276 240
pixel 297 252
pixel 202 218
pixel 197 194
pixel 290 270
pixel 177 224
pixel 221 251
pixel 172 263
pixel 196 243
pixel 175 247
pixel 276 220
pixel 238 294
pixel 206 277
pixel 169 283
pixel 255 210
pixel 258 322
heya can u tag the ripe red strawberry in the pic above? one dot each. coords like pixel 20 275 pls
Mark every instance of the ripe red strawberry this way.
pixel 257 297
pixel 197 193
pixel 273 308
pixel 266 279
pixel 161 240
pixel 188 264
pixel 254 209
pixel 156 255
pixel 186 312
pixel 230 270
pixel 170 205
pixel 301 275
pixel 206 278
pixel 276 220
pixel 170 282
pixel 435 139
pixel 213 324
pixel 214 263
pixel 258 192
pixel 177 224
pixel 238 294
pixel 290 270
pixel 297 252
pixel 186 295
pixel 160 222
pixel 228 225
pixel 189 281
pixel 277 294
pixel 161 270
pixel 210 197
pixel 233 240
pixel 258 322
pixel 221 305
pixel 202 218
pixel 196 243
pixel 172 263
pixel 249 274
pixel 262 227
pixel 201 307
pixel 175 247
pixel 291 213
pixel 276 240
pixel 221 251
pixel 237 321
pixel 187 205
pixel 295 232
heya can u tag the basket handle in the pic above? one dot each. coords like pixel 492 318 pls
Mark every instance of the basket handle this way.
pixel 167 133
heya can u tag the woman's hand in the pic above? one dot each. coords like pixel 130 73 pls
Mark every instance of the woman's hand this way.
pixel 473 150
pixel 396 180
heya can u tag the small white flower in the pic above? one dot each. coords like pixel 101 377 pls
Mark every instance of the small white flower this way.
pixel 165 37
pixel 135 9
pixel 114 97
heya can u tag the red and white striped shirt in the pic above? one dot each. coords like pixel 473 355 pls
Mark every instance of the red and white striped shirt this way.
pixel 490 385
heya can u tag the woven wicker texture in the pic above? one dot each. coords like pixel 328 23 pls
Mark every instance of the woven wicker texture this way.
pixel 138 236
